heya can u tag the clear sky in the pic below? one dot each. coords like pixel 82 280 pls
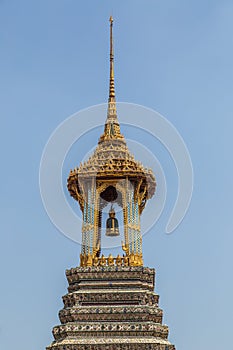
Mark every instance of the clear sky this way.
pixel 173 56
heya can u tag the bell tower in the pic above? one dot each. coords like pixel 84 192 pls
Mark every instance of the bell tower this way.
pixel 111 303
pixel 111 175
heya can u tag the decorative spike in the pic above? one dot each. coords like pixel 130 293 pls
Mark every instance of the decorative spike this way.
pixel 111 98
pixel 112 127
pixel 111 82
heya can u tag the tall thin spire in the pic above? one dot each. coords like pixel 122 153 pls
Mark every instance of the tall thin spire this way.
pixel 111 82
pixel 112 127
pixel 111 98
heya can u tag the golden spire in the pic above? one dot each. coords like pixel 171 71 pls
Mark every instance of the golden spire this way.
pixel 111 82
pixel 112 127
pixel 112 114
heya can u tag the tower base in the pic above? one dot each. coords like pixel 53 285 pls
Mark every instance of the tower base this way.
pixel 111 308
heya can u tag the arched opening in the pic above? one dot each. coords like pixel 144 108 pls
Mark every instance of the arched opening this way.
pixel 111 199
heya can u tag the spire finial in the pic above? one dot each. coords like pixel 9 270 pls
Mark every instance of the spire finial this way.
pixel 112 127
pixel 111 83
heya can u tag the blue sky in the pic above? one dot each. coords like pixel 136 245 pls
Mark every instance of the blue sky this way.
pixel 173 56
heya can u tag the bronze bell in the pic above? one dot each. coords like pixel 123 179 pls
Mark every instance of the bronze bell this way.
pixel 112 227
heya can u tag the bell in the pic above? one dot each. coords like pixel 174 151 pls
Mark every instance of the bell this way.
pixel 112 227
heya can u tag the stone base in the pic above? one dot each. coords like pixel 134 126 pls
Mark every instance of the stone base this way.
pixel 111 308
